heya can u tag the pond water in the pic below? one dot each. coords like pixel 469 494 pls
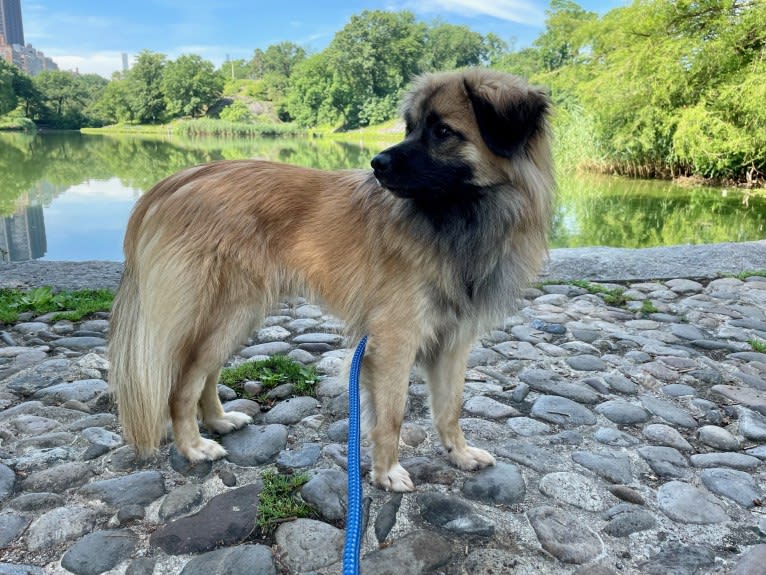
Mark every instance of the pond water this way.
pixel 68 196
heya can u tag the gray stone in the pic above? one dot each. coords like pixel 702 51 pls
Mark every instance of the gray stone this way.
pixel 255 444
pixel 623 412
pixel 678 390
pixel 327 491
pixel 306 456
pixel 98 552
pixel 84 390
pixel 79 343
pixel 564 536
pixel 227 519
pixel 483 356
pixel 185 467
pixel 574 489
pixel 528 427
pixel 615 437
pixel 561 411
pixel 499 484
pixel 416 553
pixel 306 545
pixel 538 458
pixel 666 435
pixel 627 494
pixel 413 434
pixel 738 486
pixel 386 517
pixel 11 525
pixel 291 410
pixel 621 384
pixel 725 459
pixel 333 339
pixel 180 500
pixel 752 561
pixel 717 438
pixel 42 375
pixel 453 514
pixel 668 411
pixel 58 526
pixel 613 468
pixel 20 569
pixel 271 348
pixel 7 481
pixel 625 519
pixel 688 504
pixel 239 560
pixel 550 383
pixel 139 488
pixel 680 560
pixel 488 408
pixel 665 461
pixel 58 478
pixel 272 333
pixel 101 436
pixel 752 424
pixel 429 470
pixel 586 363
pixel 36 501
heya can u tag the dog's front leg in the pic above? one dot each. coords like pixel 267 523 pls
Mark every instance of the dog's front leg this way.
pixel 445 374
pixel 385 376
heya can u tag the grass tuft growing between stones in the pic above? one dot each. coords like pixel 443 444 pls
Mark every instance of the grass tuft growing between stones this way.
pixel 279 501
pixel 614 297
pixel 69 305
pixel 750 273
pixel 272 372
pixel 757 345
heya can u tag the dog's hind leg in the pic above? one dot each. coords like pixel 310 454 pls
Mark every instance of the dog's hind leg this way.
pixel 213 415
pixel 445 375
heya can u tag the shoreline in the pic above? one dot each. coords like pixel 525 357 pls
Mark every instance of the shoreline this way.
pixel 593 263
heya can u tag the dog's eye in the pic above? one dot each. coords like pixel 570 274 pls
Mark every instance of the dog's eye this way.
pixel 442 131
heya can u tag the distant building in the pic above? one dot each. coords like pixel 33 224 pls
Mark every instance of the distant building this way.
pixel 12 47
pixel 125 65
pixel 10 22
pixel 22 235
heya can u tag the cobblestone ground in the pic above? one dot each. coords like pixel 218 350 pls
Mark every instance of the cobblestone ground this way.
pixel 629 432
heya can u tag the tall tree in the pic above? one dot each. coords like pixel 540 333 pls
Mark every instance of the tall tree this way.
pixel 144 84
pixel 190 85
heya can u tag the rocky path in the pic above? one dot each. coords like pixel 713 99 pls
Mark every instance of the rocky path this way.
pixel 630 438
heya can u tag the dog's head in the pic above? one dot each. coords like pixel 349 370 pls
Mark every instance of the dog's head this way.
pixel 462 131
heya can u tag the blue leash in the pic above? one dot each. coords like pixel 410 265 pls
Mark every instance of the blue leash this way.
pixel 354 511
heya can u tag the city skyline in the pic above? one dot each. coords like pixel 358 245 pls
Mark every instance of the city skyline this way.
pixel 235 28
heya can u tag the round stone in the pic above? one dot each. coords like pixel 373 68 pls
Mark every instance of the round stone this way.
pixel 308 545
pixel 688 504
pixel 735 485
pixel 499 484
pixel 528 427
pixel 99 552
pixel 561 411
pixel 574 489
pixel 666 435
pixel 564 536
pixel 717 438
pixel 623 412
pixel 586 363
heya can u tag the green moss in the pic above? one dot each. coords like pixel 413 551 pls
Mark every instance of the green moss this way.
pixel 279 502
pixel 71 305
pixel 647 307
pixel 272 372
pixel 757 345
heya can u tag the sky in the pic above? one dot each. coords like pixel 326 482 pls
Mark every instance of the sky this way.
pixel 91 35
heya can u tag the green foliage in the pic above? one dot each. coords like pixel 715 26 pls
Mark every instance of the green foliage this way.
pixel 237 111
pixel 272 372
pixel 191 85
pixel 71 305
pixel 647 307
pixel 757 345
pixel 8 98
pixel 279 501
pixel 673 88
pixel 613 296
pixel 145 95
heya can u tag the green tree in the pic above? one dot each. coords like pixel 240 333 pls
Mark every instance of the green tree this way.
pixel 308 101
pixel 278 58
pixel 448 47
pixel 190 85
pixel 144 87
pixel 372 59
pixel 8 98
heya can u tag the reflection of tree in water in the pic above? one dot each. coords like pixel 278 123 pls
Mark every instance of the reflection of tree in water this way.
pixel 591 210
pixel 67 159
pixel 604 211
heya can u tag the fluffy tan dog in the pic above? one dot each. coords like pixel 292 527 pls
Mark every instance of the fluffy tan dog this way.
pixel 421 253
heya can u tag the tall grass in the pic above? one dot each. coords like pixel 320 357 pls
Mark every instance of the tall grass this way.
pixel 209 127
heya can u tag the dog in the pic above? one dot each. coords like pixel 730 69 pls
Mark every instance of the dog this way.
pixel 422 253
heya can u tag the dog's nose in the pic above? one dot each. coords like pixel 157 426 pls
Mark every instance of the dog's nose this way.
pixel 381 163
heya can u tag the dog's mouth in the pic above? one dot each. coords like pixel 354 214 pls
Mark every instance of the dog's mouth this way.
pixel 397 190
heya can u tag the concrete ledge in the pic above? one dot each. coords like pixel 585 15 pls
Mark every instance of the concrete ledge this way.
pixel 597 264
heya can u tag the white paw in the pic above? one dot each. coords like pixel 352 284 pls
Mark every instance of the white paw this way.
pixel 471 458
pixel 229 422
pixel 202 450
pixel 395 479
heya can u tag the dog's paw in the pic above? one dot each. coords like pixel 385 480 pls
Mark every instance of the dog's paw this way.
pixel 202 450
pixel 471 458
pixel 394 479
pixel 229 422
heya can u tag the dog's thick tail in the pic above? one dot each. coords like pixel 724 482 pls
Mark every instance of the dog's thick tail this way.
pixel 141 373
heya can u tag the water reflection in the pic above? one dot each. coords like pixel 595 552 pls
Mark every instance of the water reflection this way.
pixel 68 196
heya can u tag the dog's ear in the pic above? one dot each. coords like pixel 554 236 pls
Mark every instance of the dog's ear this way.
pixel 508 116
